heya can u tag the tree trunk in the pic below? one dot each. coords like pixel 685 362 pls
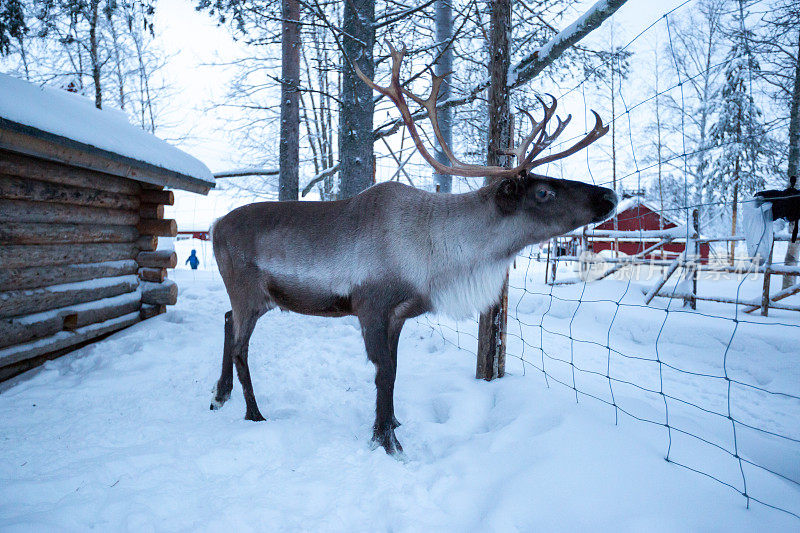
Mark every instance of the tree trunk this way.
pixel 356 158
pixel 94 53
pixel 492 324
pixel 444 65
pixel 734 209
pixel 115 46
pixel 659 146
pixel 793 248
pixel 613 122
pixel 289 157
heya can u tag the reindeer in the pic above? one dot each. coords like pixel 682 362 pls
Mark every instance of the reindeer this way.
pixel 395 252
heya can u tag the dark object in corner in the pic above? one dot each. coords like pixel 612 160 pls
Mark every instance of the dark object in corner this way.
pixel 785 203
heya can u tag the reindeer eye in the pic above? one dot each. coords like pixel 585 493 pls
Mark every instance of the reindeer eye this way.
pixel 544 194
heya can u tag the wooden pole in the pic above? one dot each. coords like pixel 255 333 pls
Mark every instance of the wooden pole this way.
pixel 547 263
pixel 672 268
pixel 778 296
pixel 692 257
pixel 632 260
pixel 767 278
pixel 726 300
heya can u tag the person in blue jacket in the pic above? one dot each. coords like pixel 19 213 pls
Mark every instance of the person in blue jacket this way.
pixel 193 260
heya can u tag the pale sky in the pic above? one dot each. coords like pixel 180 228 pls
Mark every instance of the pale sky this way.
pixel 197 46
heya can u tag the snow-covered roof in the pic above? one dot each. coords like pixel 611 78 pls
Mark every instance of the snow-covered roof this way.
pixel 66 115
pixel 633 201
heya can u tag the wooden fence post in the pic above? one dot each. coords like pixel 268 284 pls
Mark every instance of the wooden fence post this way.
pixel 547 263
pixel 767 278
pixel 692 260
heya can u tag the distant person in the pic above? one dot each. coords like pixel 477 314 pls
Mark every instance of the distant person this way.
pixel 193 260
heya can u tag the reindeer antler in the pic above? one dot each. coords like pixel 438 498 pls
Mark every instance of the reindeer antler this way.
pixel 525 160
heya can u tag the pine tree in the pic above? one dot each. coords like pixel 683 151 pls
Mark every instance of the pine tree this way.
pixel 12 23
pixel 739 132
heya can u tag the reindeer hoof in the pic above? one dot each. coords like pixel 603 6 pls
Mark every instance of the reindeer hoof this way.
pixel 387 440
pixel 219 399
pixel 217 403
pixel 254 417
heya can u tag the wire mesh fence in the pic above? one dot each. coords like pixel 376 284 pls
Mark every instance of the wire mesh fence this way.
pixel 722 385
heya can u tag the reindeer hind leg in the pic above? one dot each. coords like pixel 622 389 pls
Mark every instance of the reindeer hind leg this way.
pixel 222 390
pixel 244 324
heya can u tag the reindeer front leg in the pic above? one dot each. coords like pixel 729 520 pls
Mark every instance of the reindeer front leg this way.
pixel 375 329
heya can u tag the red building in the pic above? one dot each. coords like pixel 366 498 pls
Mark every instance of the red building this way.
pixel 638 226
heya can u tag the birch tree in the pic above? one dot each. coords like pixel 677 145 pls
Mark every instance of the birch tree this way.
pixel 444 67
pixel 695 53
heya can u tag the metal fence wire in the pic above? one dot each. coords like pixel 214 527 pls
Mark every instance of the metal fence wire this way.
pixel 721 384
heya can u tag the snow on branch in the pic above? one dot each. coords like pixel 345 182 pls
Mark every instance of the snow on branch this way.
pixel 319 177
pixel 532 65
pixel 240 172
pixel 536 61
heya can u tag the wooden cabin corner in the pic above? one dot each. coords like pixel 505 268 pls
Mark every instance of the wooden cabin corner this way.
pixel 79 230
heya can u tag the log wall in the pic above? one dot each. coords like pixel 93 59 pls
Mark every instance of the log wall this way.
pixel 78 257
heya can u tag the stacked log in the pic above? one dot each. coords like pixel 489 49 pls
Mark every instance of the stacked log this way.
pixel 157 290
pixel 69 240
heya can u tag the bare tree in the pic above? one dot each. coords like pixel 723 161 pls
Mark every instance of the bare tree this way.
pixel 492 324
pixel 444 67
pixel 356 104
pixel 694 51
pixel 793 248
pixel 289 158
pixel 100 48
pixel 778 46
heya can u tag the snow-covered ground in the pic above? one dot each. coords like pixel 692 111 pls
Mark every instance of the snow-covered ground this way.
pixel 118 435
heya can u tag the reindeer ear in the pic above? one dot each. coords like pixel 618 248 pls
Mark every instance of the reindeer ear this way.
pixel 508 195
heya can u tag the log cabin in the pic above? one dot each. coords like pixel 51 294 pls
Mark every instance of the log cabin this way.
pixel 82 196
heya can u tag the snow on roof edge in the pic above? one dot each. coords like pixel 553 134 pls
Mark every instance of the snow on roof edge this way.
pixel 73 117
